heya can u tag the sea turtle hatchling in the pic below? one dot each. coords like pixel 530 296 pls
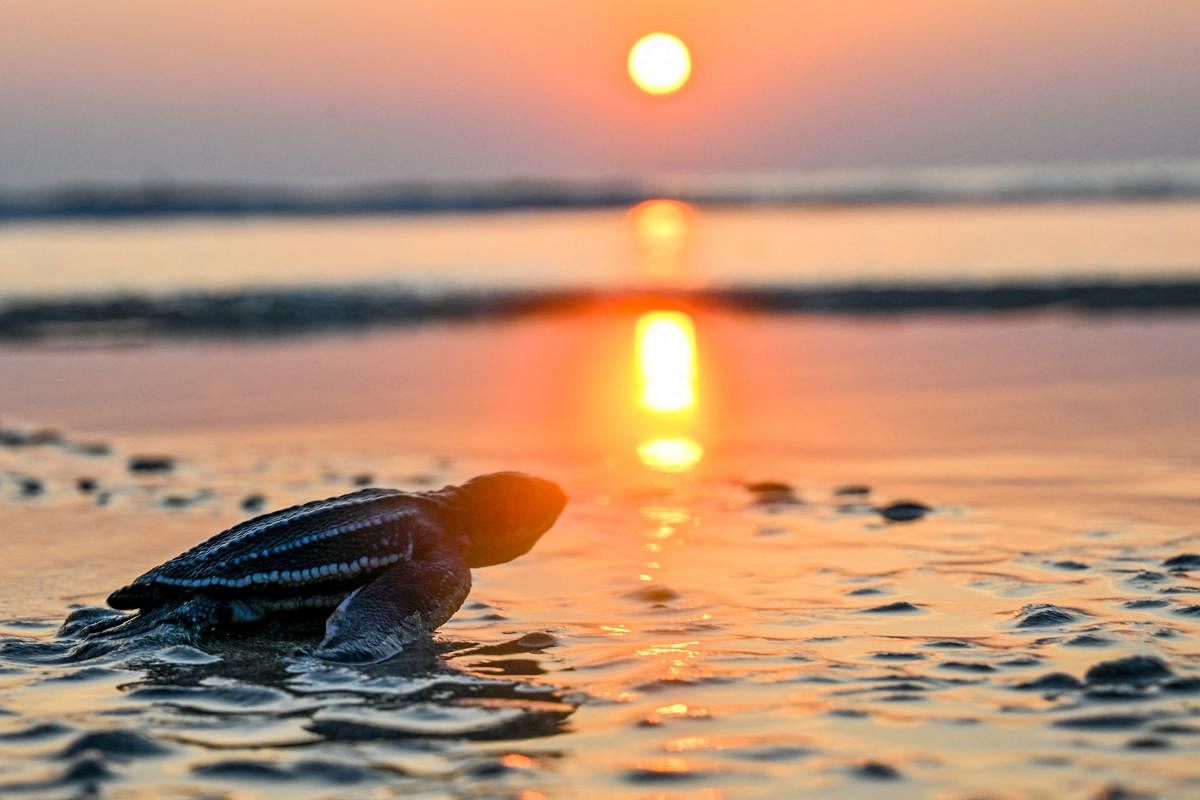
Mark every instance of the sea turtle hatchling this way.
pixel 391 566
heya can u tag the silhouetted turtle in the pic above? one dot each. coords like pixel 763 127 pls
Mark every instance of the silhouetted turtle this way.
pixel 392 566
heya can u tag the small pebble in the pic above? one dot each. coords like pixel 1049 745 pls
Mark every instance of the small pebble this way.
pixel 1052 681
pixel 488 770
pixel 151 463
pixel 967 666
pixel 1129 671
pixel 773 493
pixel 45 436
pixel 890 655
pixel 1118 792
pixel 253 502
pixel 1148 743
pixel 849 713
pixel 363 479
pixel 900 607
pixel 852 490
pixel 1021 661
pixel 1102 722
pixel 782 752
pixel 763 487
pixel 904 511
pixel 877 771
pixel 1088 640
pixel 35 438
pixel 1136 604
pixel 1182 686
pixel 1183 561
pixel 86 485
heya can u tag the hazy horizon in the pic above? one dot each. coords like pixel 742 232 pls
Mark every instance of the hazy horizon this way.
pixel 268 92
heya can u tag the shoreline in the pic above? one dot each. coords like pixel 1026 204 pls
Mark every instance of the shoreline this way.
pixel 1143 182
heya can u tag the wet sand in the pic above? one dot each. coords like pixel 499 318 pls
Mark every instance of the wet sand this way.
pixel 684 630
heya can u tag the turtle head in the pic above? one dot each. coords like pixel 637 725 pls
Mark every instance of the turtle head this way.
pixel 503 514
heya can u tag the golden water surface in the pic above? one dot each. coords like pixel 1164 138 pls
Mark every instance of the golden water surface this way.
pixel 722 610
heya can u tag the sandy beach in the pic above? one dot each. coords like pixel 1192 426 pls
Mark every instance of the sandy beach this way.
pixel 683 630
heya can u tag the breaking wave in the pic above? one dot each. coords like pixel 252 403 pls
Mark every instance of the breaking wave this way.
pixel 281 311
pixel 1128 182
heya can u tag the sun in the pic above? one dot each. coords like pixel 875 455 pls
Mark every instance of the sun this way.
pixel 660 63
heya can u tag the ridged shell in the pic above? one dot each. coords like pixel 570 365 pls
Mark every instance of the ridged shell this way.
pixel 339 541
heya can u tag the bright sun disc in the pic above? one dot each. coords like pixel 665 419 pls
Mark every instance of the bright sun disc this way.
pixel 659 63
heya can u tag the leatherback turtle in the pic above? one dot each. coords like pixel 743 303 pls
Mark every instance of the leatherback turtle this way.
pixel 391 565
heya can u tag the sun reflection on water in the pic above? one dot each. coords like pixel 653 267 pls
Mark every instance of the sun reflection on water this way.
pixel 667 387
pixel 666 354
pixel 662 231
pixel 674 454
pixel 665 341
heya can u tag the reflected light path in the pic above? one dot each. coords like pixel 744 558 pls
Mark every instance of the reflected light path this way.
pixel 673 454
pixel 662 230
pixel 666 364
pixel 666 356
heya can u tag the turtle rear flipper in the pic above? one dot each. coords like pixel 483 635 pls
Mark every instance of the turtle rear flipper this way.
pixel 402 606
pixel 191 617
pixel 143 595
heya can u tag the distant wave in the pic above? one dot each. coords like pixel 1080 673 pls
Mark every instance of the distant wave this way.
pixel 1132 182
pixel 273 312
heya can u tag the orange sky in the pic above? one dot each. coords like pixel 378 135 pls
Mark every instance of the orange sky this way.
pixel 368 89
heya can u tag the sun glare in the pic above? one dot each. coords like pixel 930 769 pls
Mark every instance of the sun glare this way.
pixel 668 388
pixel 660 63
pixel 660 221
pixel 662 228
pixel 676 454
pixel 666 353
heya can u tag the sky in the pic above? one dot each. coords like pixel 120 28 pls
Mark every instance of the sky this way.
pixel 296 91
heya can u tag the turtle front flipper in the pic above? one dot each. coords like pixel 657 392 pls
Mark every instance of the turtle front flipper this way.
pixel 403 605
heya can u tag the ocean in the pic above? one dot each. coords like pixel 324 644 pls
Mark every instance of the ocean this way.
pixel 253 274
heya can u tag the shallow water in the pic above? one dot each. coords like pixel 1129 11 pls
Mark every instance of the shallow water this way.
pixel 682 631
pixel 656 243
